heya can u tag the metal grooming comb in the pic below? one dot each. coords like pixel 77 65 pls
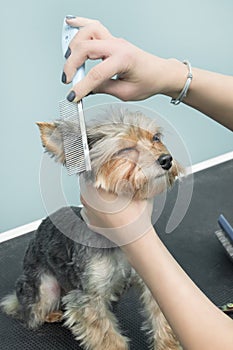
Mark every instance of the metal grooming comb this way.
pixel 74 135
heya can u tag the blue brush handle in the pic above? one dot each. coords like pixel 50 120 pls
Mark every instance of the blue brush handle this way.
pixel 226 227
pixel 68 33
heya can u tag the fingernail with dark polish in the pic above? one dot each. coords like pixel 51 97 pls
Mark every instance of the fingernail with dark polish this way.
pixel 70 17
pixel 63 78
pixel 68 52
pixel 71 96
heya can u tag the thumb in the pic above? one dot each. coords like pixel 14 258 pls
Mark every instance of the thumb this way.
pixel 112 87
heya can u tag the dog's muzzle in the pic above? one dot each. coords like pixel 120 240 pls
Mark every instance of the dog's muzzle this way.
pixel 165 160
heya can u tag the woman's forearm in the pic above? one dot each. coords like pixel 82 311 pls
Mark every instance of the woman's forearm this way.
pixel 209 92
pixel 196 321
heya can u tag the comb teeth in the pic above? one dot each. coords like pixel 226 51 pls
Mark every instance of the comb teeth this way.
pixel 75 143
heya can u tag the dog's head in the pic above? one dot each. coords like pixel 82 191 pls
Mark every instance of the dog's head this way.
pixel 126 152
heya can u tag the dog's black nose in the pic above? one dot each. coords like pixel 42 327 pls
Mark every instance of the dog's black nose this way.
pixel 165 160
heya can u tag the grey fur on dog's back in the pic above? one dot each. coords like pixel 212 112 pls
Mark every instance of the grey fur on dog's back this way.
pixel 68 222
pixel 66 251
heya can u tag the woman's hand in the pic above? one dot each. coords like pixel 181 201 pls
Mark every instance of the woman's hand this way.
pixel 139 74
pixel 119 218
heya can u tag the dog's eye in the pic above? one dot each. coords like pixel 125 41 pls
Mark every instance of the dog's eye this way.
pixel 156 138
pixel 126 150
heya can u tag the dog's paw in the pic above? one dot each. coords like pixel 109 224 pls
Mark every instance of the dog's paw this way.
pixel 55 316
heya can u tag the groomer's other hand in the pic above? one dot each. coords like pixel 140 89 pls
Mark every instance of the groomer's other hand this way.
pixel 119 218
pixel 139 74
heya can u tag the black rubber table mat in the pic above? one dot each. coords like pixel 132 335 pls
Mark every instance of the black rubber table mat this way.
pixel 193 244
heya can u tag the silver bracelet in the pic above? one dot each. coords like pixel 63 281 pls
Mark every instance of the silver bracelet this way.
pixel 182 95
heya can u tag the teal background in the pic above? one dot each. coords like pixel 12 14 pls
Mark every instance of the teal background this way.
pixel 31 67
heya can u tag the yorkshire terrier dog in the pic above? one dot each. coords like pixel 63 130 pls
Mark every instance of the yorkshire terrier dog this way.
pixel 74 280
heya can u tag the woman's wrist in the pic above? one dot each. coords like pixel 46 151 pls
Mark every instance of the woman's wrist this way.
pixel 175 76
pixel 135 249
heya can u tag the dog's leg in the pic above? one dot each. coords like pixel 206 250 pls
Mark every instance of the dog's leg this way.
pixel 46 308
pixel 91 322
pixel 159 331
pixel 34 300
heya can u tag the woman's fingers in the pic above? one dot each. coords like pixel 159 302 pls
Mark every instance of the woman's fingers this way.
pixel 94 78
pixel 99 74
pixel 91 42
pixel 89 33
pixel 89 29
pixel 88 49
pixel 80 21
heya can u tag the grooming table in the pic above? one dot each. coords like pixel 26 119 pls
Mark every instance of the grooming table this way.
pixel 193 244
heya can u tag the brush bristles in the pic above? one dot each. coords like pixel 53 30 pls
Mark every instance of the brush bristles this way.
pixel 75 146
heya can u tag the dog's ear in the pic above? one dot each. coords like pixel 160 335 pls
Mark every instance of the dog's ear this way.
pixel 52 140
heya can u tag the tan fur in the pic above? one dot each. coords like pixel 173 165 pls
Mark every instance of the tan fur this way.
pixel 52 140
pixel 48 303
pixel 94 326
pixel 10 304
pixel 122 151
